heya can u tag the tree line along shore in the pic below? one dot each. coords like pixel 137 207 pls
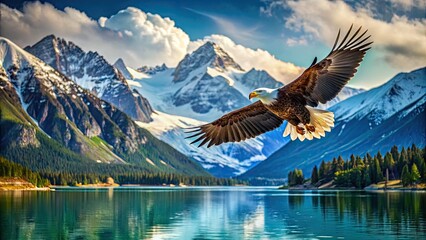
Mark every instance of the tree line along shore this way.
pixel 395 169
pixel 14 176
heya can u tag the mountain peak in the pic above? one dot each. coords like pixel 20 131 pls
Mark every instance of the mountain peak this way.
pixel 121 66
pixel 378 104
pixel 91 71
pixel 11 54
pixel 208 55
pixel 219 58
pixel 153 70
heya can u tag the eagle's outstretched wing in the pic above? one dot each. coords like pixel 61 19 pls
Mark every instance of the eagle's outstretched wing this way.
pixel 322 81
pixel 238 125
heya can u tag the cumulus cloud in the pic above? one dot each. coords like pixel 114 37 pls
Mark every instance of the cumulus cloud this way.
pixel 139 38
pixel 401 41
pixel 249 58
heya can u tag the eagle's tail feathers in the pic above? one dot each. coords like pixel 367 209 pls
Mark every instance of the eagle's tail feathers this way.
pixel 322 120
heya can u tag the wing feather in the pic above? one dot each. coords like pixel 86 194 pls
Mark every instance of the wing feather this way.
pixel 322 81
pixel 239 125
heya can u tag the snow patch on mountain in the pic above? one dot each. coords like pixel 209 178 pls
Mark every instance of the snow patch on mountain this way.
pixel 382 102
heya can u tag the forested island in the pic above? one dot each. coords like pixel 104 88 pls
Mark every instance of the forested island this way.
pixel 395 169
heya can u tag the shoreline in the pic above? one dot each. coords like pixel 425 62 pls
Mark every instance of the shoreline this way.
pixel 393 185
pixel 8 184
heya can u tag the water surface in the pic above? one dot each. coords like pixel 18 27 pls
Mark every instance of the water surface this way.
pixel 211 213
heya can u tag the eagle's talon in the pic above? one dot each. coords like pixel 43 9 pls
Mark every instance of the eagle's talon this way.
pixel 300 130
pixel 310 128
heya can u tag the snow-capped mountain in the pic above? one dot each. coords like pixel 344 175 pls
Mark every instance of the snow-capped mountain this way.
pixel 379 104
pixel 372 121
pixel 205 85
pixel 346 93
pixel 91 71
pixel 121 66
pixel 42 108
pixel 152 70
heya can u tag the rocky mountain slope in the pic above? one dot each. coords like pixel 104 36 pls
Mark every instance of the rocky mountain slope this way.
pixel 42 108
pixel 91 71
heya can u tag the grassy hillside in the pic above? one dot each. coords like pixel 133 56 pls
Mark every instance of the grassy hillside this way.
pixel 25 143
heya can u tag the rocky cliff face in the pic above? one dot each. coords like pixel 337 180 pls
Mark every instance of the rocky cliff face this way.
pixel 39 100
pixel 91 71
pixel 208 55
pixel 64 110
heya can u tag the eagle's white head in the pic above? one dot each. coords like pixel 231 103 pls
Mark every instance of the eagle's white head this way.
pixel 265 95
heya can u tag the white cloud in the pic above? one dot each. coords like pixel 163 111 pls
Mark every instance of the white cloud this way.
pixel 296 41
pixel 409 4
pixel 249 58
pixel 139 38
pixel 150 38
pixel 401 41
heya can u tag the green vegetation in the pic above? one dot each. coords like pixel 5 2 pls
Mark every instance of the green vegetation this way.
pixel 142 178
pixel 11 169
pixel 295 177
pixel 405 176
pixel 314 176
pixel 154 162
pixel 65 167
pixel 407 165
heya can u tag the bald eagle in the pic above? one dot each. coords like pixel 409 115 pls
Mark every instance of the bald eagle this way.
pixel 294 102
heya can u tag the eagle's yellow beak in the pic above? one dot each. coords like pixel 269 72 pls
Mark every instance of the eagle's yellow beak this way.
pixel 253 95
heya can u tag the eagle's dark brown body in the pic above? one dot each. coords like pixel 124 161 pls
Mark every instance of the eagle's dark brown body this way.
pixel 294 102
pixel 290 107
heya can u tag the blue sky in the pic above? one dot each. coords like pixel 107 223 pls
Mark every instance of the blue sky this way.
pixel 294 32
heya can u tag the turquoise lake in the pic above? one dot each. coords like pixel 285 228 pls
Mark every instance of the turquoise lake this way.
pixel 211 213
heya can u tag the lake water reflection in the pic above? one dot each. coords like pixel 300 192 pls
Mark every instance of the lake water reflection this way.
pixel 211 213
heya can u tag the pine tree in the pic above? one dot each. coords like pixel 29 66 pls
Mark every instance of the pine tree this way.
pixel 299 176
pixel 359 162
pixel 380 158
pixel 352 161
pixel 405 176
pixel 340 163
pixel 369 160
pixel 322 171
pixel 389 164
pixel 395 153
pixel 415 175
pixel 378 175
pixel 366 180
pixel 334 166
pixel 314 176
pixel 424 175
